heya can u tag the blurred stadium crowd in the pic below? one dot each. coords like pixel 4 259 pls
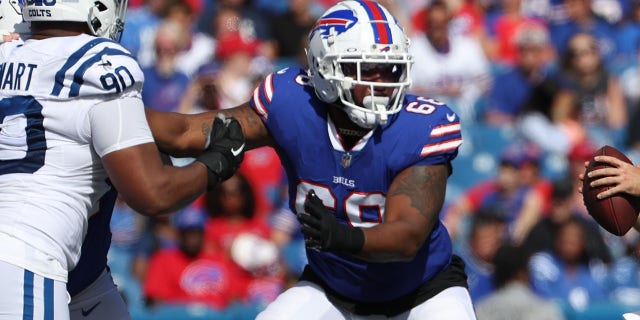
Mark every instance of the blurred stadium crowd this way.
pixel 539 85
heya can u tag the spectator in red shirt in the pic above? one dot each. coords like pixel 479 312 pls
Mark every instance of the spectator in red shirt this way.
pixel 231 207
pixel 505 29
pixel 267 178
pixel 235 230
pixel 188 274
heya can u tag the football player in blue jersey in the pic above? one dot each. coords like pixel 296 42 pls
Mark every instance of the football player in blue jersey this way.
pixel 367 166
pixel 73 131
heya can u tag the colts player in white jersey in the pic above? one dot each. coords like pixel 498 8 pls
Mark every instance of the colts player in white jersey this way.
pixel 367 168
pixel 73 129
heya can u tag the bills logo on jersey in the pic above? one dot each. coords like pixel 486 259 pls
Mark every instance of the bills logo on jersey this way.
pixel 203 277
pixel 339 21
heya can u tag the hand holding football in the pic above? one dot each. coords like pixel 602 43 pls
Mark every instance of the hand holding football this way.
pixel 618 213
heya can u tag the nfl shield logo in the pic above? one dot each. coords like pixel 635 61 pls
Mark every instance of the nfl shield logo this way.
pixel 346 160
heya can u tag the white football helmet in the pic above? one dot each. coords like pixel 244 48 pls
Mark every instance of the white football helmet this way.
pixel 359 35
pixel 11 18
pixel 104 17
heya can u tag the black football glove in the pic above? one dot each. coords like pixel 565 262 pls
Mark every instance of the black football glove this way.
pixel 323 232
pixel 225 150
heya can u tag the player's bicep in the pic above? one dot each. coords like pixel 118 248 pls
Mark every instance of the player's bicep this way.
pixel 121 136
pixel 417 194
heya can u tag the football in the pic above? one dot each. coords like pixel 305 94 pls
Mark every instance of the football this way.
pixel 616 214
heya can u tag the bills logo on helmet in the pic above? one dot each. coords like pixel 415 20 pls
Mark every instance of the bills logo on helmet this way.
pixel 339 21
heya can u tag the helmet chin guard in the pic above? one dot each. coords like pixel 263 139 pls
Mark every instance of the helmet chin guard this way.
pixel 349 40
pixel 369 120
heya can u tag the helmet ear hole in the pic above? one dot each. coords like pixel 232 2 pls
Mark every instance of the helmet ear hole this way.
pixel 96 24
pixel 101 6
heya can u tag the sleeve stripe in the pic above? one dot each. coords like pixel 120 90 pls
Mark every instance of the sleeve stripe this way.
pixel 442 130
pixel 443 146
pixel 258 106
pixel 268 87
pixel 78 76
pixel 71 61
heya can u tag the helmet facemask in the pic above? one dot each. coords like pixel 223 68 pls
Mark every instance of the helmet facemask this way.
pixel 108 22
pixel 378 74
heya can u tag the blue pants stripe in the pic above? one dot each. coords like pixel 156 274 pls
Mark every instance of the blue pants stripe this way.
pixel 48 299
pixel 27 307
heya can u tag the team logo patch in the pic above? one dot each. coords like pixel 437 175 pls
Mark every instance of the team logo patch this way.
pixel 340 21
pixel 203 278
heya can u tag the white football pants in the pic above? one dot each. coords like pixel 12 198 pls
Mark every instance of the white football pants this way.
pixel 25 295
pixel 306 300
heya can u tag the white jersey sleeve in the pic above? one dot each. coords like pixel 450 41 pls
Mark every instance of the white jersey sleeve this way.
pixel 117 124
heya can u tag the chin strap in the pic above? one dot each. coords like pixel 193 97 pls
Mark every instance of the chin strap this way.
pixel 382 109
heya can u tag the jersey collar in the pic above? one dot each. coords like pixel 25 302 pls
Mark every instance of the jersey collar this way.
pixel 336 139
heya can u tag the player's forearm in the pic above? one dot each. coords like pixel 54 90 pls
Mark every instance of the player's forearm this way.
pixel 412 208
pixel 179 135
pixel 182 135
pixel 168 190
pixel 394 241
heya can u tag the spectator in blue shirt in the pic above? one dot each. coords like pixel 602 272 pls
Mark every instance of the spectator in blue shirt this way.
pixel 486 236
pixel 164 85
pixel 513 85
pixel 567 274
pixel 581 19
